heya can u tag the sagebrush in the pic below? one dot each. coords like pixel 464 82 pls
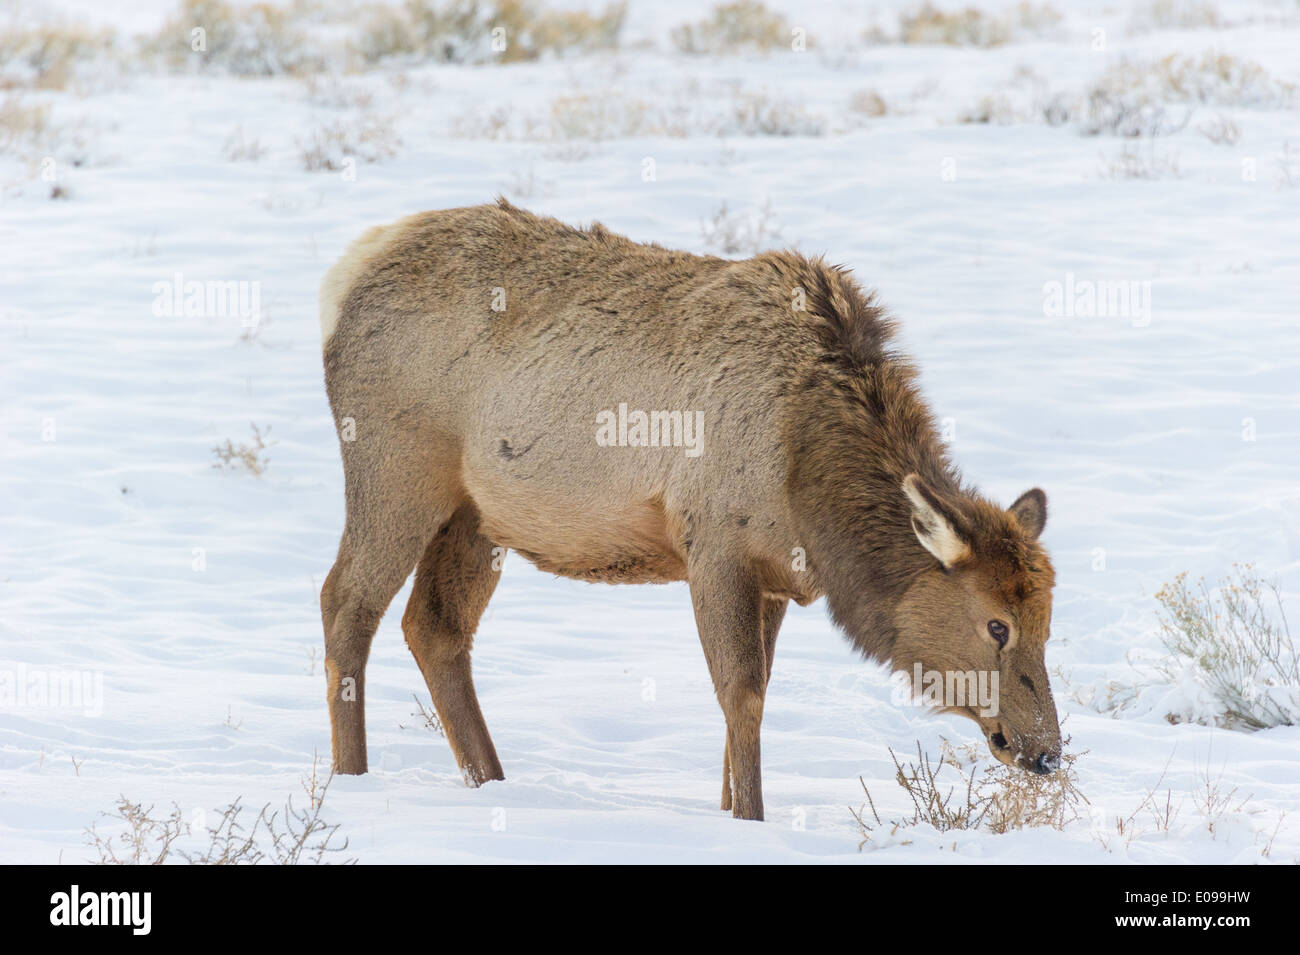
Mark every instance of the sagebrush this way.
pixel 998 799
pixel 293 835
pixel 1234 642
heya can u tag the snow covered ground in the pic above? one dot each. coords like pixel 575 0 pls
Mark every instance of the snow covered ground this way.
pixel 1166 440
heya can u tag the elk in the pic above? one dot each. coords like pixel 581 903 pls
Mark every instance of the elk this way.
pixel 484 359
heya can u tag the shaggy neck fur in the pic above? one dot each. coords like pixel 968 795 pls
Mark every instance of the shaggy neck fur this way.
pixel 861 428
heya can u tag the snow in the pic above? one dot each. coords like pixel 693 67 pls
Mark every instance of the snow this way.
pixel 597 697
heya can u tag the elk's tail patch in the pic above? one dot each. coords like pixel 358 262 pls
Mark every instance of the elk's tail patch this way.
pixel 343 274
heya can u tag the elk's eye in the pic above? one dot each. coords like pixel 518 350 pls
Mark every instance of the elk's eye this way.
pixel 999 632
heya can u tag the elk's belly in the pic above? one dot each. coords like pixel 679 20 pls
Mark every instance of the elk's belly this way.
pixel 568 530
pixel 629 547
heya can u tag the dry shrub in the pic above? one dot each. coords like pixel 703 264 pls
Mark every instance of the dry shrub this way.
pixel 876 35
pixel 482 124
pixel 1127 100
pixel 528 185
pixel 428 717
pixel 1020 800
pixel 999 800
pixel 758 114
pixel 1034 17
pixel 47 57
pixel 461 31
pixel 940 806
pixel 454 31
pixel 1214 801
pixel 563 31
pixel 731 233
pixel 1235 643
pixel 146 839
pixel 386 31
pixel 247 455
pixel 259 39
pixel 746 25
pixel 1174 15
pixel 1160 810
pixel 23 127
pixel 928 24
pixel 1028 98
pixel 1221 130
pixel 1134 162
pixel 292 836
pixel 368 137
pixel 1132 117
pixel 1218 806
pixel 1220 79
pixel 329 91
pixel 594 117
pixel 240 148
pixel 868 103
pixel 991 110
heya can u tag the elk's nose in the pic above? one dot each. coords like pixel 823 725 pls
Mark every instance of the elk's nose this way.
pixel 1047 763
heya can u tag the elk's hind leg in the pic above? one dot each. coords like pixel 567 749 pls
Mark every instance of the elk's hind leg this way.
pixel 773 614
pixel 453 583
pixel 387 526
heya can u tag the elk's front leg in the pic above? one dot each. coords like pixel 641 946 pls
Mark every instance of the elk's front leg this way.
pixel 773 613
pixel 728 613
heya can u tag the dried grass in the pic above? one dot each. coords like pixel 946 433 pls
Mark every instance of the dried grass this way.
pixel 49 56
pixel 258 39
pixel 927 24
pixel 462 31
pixel 247 456
pixel 730 233
pixel 294 835
pixel 868 103
pixel 367 137
pixel 743 26
pixel 999 800
pixel 24 126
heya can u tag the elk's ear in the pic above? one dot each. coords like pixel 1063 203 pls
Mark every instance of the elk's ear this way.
pixel 934 527
pixel 1030 512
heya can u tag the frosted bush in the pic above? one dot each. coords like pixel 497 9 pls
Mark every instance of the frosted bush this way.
pixel 1230 662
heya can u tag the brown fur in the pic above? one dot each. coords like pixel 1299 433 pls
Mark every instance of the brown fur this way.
pixel 476 427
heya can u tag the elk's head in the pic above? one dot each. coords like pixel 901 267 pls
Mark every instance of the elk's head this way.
pixel 978 619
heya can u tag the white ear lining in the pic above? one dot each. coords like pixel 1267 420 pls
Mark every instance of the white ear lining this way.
pixel 932 529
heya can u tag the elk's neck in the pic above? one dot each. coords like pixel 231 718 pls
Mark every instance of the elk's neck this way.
pixel 848 463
